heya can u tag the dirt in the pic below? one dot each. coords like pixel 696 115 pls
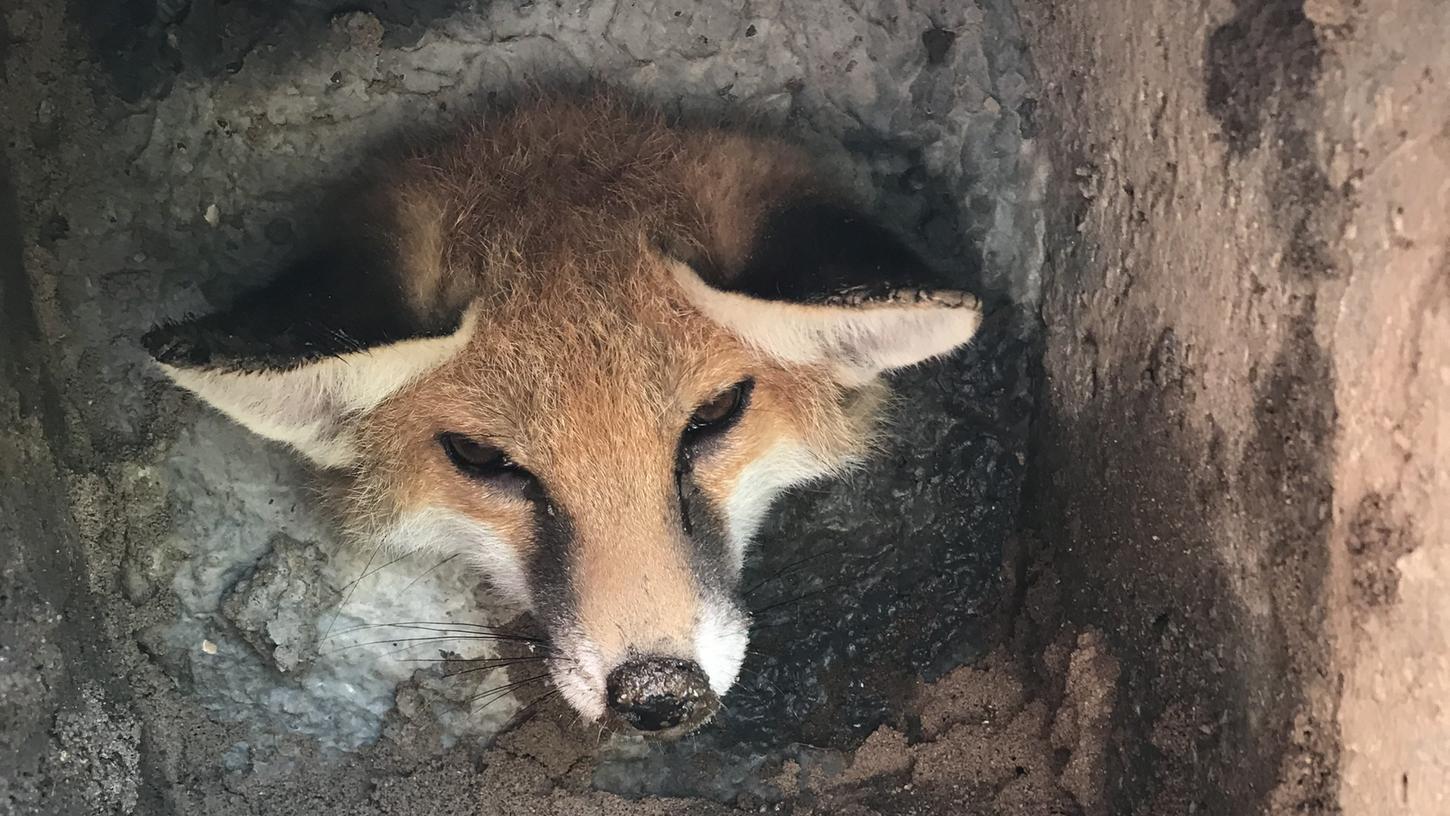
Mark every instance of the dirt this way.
pixel 977 742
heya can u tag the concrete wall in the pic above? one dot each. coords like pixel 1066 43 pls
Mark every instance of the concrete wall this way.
pixel 68 736
pixel 1242 445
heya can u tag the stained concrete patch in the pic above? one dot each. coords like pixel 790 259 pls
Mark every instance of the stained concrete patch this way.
pixel 1261 71
pixel 1378 539
pixel 1188 432
pixel 1265 204
pixel 1266 50
pixel 277 606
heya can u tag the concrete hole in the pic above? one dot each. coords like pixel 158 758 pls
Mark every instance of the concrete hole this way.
pixel 1160 541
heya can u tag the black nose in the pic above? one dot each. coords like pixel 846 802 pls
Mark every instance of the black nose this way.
pixel 659 693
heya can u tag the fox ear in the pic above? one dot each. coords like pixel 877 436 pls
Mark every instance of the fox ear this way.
pixel 294 360
pixel 823 284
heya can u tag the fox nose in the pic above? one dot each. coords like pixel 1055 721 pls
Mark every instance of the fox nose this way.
pixel 660 693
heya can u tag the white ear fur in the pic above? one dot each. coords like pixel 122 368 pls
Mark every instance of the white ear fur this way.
pixel 859 342
pixel 305 407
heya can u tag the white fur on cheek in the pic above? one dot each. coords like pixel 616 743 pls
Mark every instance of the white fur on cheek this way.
pixel 760 482
pixel 447 532
pixel 579 674
pixel 721 638
pixel 578 671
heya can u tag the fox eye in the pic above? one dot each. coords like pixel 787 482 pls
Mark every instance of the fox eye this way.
pixel 721 410
pixel 474 458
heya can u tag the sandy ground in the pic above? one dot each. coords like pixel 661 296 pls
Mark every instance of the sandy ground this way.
pixel 985 740
pixel 977 742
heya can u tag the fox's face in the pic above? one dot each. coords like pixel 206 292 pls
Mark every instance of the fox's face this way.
pixel 585 351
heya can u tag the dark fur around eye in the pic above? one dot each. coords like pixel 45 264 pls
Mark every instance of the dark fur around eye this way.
pixel 478 460
pixel 720 412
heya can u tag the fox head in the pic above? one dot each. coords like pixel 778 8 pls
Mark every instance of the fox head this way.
pixel 585 350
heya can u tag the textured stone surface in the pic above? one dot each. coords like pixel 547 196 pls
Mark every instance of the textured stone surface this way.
pixel 276 605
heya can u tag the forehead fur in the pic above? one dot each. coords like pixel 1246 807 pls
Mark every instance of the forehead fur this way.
pixel 573 186
pixel 578 382
pixel 586 357
pixel 543 221
pixel 589 387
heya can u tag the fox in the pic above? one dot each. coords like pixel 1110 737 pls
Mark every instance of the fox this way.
pixel 584 346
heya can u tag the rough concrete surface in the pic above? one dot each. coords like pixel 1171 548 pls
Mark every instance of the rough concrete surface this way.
pixel 1224 593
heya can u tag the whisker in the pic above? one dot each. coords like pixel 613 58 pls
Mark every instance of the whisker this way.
pixel 421 640
pixel 840 585
pixel 368 573
pixel 407 648
pixel 792 566
pixel 481 659
pixel 501 691
pixel 455 624
pixel 444 627
pixel 425 572
pixel 871 561
pixel 797 599
pixel 758 675
pixel 489 703
pixel 501 663
pixel 529 711
pixel 351 589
